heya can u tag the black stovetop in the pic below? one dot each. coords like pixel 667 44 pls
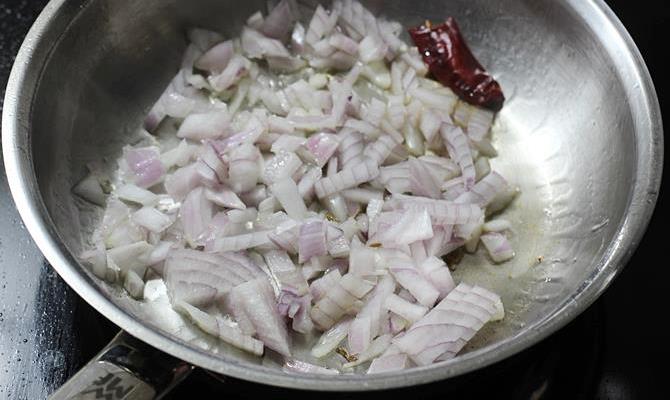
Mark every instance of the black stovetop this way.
pixel 614 350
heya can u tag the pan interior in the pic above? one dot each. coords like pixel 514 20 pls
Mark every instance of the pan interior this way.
pixel 566 137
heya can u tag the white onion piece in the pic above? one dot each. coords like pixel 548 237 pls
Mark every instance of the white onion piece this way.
pixel 459 150
pixel 338 247
pixel 307 182
pixel 359 335
pixel 282 166
pixel 278 23
pixel 237 68
pixel 430 124
pixel 256 20
pixel 422 182
pixel 438 274
pixel 351 148
pixel 136 194
pixel 413 59
pixel 418 251
pixel 219 328
pixel 379 150
pixel 286 142
pixel 182 181
pixel 375 111
pixel 204 39
pixel 257 301
pixel 321 146
pixel 479 123
pixel 372 48
pixel 502 199
pixel 216 59
pixel 409 311
pixel 312 240
pixel 298 38
pixel 441 211
pixel 302 322
pixel 497 246
pixel 151 219
pixel 224 197
pixel 256 45
pixel 453 189
pixel 482 168
pixel 319 287
pixel 179 156
pixel 435 100
pixel 212 125
pixel 285 236
pixel 396 178
pixel 302 367
pixel 321 25
pixel 484 191
pixel 395 111
pixel 373 310
pixel 413 225
pixel 376 348
pixel 407 275
pixel 285 272
pixel 330 339
pixel 346 179
pixel 132 257
pixel 134 285
pixel 144 166
pixel 344 43
pixel 362 195
pixel 389 31
pixel 241 242
pixel 323 48
pixel 286 192
pixel 388 363
pixel 497 225
pixel 196 212
pixel 339 300
pixel 244 169
pixel 312 123
pixel 90 190
pixel 96 259
pixel 339 60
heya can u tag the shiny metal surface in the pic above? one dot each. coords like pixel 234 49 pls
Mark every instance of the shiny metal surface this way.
pixel 125 370
pixel 581 134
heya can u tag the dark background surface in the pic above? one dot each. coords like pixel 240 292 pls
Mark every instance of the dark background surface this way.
pixel 618 349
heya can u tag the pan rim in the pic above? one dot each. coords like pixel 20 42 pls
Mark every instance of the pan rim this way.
pixel 24 80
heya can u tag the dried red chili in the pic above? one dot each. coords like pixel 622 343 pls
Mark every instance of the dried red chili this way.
pixel 451 62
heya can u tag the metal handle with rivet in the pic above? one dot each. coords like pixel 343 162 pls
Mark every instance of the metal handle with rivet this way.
pixel 127 369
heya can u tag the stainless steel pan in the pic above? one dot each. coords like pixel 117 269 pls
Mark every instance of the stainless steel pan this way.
pixel 581 134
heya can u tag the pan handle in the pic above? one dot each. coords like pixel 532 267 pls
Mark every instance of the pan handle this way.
pixel 127 369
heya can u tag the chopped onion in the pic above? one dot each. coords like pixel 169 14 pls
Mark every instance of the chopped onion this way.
pixel 389 363
pixel 312 240
pixel 330 339
pixel 216 59
pixel 346 179
pixel 407 310
pixel 151 219
pixel 263 194
pixel 302 367
pixel 485 190
pixel 89 189
pixel 497 246
pixel 277 24
pixel 212 125
pixel 144 166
